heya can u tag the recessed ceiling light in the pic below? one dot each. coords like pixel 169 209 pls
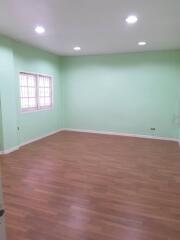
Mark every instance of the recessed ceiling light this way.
pixel 131 19
pixel 39 29
pixel 142 43
pixel 77 48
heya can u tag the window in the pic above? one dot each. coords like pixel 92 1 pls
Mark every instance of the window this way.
pixel 35 91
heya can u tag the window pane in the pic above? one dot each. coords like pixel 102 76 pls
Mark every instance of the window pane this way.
pixel 28 91
pixel 47 82
pixel 31 80
pixel 23 80
pixel 24 91
pixel 41 82
pixel 41 102
pixel 31 92
pixel 47 101
pixel 41 92
pixel 47 92
pixel 35 91
pixel 24 103
pixel 32 102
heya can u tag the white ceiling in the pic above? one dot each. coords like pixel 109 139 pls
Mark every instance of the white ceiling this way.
pixel 97 26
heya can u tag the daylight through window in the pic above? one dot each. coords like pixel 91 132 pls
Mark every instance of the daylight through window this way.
pixel 35 91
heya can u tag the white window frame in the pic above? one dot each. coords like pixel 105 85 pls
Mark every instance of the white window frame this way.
pixel 38 107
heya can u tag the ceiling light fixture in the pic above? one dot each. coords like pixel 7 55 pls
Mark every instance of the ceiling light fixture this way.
pixel 77 48
pixel 39 29
pixel 131 19
pixel 142 43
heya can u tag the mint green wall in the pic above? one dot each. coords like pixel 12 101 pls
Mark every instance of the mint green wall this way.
pixel 1 130
pixel 8 95
pixel 128 93
pixel 16 57
pixel 35 124
pixel 178 114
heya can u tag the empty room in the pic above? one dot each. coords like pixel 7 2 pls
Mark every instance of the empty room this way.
pixel 89 120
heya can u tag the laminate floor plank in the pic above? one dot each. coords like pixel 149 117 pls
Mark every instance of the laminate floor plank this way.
pixel 81 186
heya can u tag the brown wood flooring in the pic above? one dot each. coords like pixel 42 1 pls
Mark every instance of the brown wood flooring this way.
pixel 80 186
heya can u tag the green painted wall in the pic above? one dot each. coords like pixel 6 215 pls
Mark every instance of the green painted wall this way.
pixel 35 124
pixel 178 113
pixel 8 95
pixel 16 57
pixel 128 93
pixel 1 130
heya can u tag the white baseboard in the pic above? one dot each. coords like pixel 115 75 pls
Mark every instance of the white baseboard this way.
pixel 39 138
pixel 7 151
pixel 121 134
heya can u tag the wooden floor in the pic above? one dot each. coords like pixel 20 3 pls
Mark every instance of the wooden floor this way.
pixel 79 186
